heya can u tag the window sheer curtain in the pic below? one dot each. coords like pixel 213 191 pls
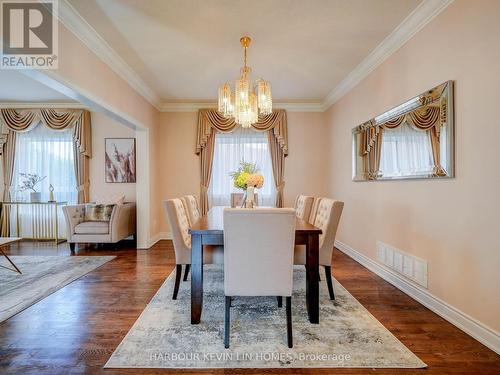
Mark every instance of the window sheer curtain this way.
pixel 45 152
pixel 406 150
pixel 229 150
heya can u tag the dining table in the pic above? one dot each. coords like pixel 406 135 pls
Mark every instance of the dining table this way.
pixel 209 230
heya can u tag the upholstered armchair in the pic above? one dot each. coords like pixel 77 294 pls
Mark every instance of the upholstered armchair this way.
pixel 120 226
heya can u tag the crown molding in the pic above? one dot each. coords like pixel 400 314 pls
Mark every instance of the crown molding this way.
pixel 300 107
pixel 412 24
pixel 185 106
pixel 416 20
pixel 194 107
pixel 72 20
pixel 30 105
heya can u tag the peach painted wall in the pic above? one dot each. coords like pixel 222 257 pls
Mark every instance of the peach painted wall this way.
pixel 156 180
pixel 305 166
pixel 84 72
pixel 105 127
pixel 454 223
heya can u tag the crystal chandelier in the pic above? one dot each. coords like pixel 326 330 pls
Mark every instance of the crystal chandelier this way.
pixel 249 99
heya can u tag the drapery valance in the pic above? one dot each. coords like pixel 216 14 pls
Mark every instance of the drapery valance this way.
pixel 422 118
pixel 210 121
pixel 21 120
pixel 426 118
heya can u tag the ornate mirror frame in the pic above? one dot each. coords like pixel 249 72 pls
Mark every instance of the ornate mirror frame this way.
pixel 431 112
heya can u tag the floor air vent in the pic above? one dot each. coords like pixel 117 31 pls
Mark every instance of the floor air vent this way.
pixel 407 265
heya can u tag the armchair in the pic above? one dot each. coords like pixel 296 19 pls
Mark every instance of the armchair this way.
pixel 120 226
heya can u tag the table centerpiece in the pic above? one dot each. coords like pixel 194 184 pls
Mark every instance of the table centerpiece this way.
pixel 247 178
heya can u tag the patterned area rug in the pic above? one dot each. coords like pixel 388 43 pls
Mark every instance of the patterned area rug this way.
pixel 41 276
pixel 347 336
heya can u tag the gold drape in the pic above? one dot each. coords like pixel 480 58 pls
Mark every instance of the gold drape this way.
pixel 206 162
pixel 426 118
pixel 82 138
pixel 371 146
pixel 211 121
pixel 278 163
pixel 59 120
pixel 20 120
pixel 9 151
pixel 430 119
pixel 394 123
pixel 82 135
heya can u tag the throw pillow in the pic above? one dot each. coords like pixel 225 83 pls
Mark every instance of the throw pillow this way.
pixel 98 212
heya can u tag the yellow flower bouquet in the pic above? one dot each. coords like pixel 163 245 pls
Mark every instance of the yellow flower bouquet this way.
pixel 247 176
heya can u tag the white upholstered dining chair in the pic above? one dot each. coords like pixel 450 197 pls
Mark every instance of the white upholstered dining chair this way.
pixel 258 257
pixel 327 218
pixel 193 213
pixel 191 205
pixel 179 225
pixel 314 209
pixel 303 205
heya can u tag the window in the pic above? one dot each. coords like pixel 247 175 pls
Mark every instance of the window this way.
pixel 229 150
pixel 405 151
pixel 46 152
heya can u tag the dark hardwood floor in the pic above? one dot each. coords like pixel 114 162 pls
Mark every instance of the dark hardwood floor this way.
pixel 75 330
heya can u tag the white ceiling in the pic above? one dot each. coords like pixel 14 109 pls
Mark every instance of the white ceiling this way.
pixel 184 49
pixel 15 87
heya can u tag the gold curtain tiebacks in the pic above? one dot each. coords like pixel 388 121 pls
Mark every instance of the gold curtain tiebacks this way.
pixel 438 171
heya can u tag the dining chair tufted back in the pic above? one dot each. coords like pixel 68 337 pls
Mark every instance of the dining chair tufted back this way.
pixel 314 209
pixel 192 208
pixel 179 225
pixel 258 251
pixel 258 257
pixel 326 216
pixel 303 205
pixel 327 219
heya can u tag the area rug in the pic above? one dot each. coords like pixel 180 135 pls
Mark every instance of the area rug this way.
pixel 41 276
pixel 347 336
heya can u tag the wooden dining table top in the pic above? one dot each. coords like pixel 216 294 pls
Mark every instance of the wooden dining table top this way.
pixel 213 223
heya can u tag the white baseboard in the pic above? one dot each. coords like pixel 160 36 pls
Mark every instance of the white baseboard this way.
pixel 158 237
pixel 482 333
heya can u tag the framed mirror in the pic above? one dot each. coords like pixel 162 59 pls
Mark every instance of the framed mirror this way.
pixel 413 140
